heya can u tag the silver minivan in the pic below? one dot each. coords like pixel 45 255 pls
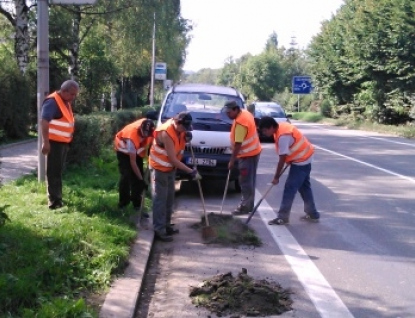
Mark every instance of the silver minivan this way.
pixel 211 127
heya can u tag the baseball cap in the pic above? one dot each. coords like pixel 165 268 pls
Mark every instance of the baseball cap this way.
pixel 185 119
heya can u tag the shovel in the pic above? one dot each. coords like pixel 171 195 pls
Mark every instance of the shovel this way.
pixel 208 232
pixel 143 195
pixel 226 191
pixel 263 197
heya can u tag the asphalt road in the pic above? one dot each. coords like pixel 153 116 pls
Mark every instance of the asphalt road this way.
pixel 357 262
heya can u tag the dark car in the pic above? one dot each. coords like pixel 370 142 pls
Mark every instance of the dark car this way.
pixel 272 109
pixel 211 127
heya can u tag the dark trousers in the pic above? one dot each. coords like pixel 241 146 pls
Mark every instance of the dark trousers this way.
pixel 55 163
pixel 247 180
pixel 130 188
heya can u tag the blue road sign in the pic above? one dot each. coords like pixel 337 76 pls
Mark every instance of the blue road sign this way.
pixel 302 85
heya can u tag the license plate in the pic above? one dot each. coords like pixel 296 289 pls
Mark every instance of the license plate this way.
pixel 202 162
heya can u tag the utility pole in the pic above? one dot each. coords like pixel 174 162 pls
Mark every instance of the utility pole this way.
pixel 153 61
pixel 42 76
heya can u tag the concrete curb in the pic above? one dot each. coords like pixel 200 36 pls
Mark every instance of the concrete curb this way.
pixel 6 146
pixel 122 298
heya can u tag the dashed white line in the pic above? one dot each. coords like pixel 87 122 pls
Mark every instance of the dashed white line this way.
pixel 324 298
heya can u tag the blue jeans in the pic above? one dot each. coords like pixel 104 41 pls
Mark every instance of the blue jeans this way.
pixel 298 180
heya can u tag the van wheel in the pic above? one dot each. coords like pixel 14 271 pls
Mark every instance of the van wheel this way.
pixel 237 186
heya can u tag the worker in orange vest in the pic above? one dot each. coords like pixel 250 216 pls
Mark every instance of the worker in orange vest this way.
pixel 57 126
pixel 170 140
pixel 293 148
pixel 132 144
pixel 246 148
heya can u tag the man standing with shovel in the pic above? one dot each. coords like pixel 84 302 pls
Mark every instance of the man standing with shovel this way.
pixel 294 149
pixel 246 148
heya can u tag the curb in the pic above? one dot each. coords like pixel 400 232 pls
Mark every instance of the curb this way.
pixel 122 298
pixel 17 143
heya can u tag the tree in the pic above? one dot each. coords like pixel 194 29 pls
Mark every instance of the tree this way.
pixel 18 16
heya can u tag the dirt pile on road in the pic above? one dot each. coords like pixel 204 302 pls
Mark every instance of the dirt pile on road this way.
pixel 224 294
pixel 228 230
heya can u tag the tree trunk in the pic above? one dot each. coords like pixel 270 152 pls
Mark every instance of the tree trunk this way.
pixel 113 98
pixel 22 39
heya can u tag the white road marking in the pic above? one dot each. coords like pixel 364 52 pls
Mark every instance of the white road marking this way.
pixel 392 141
pixel 367 164
pixel 324 298
pixel 362 134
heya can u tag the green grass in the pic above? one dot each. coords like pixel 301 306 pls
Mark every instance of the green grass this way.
pixel 53 260
pixel 406 131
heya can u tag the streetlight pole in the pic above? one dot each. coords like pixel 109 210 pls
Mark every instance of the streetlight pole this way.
pixel 42 75
pixel 153 57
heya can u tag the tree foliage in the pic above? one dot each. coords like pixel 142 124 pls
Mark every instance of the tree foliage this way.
pixel 365 53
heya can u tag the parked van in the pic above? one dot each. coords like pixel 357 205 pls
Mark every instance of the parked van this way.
pixel 211 127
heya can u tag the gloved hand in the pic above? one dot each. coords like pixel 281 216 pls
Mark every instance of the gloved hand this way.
pixel 188 136
pixel 195 175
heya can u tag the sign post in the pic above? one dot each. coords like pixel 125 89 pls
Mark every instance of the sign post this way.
pixel 301 85
pixel 43 69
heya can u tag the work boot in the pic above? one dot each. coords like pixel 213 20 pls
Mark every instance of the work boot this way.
pixel 240 210
pixel 170 230
pixel 55 205
pixel 164 237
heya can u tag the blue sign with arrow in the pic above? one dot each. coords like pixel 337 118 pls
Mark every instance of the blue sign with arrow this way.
pixel 302 85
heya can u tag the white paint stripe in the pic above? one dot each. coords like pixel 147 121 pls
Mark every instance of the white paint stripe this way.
pixel 324 298
pixel 367 164
pixel 361 134
pixel 392 141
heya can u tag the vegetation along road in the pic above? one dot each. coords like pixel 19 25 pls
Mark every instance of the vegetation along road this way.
pixel 357 262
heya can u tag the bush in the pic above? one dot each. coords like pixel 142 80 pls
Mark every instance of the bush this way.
pixel 15 101
pixel 325 108
pixel 94 131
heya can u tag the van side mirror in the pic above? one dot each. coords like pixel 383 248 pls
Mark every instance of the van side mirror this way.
pixel 289 116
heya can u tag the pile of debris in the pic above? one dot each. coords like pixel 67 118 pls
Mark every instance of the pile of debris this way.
pixel 224 294
pixel 228 231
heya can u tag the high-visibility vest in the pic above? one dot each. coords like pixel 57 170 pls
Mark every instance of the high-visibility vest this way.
pixel 251 146
pixel 131 132
pixel 62 129
pixel 158 155
pixel 300 150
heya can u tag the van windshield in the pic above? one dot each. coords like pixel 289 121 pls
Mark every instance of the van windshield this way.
pixel 200 105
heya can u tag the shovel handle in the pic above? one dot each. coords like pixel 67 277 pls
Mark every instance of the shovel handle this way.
pixel 200 188
pixel 263 197
pixel 226 190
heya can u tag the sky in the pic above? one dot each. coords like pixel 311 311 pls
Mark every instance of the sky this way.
pixel 224 28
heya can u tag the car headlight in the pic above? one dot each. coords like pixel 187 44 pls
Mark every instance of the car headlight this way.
pixel 228 151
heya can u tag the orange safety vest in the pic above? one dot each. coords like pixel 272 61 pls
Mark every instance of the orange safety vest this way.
pixel 300 150
pixel 158 155
pixel 251 146
pixel 62 129
pixel 131 132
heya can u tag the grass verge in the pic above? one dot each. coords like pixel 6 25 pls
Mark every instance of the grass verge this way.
pixel 406 131
pixel 54 262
